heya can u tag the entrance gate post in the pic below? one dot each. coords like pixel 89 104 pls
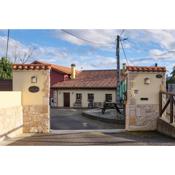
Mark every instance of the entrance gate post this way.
pixel 33 80
pixel 142 106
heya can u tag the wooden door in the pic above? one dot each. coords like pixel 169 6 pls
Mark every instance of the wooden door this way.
pixel 66 99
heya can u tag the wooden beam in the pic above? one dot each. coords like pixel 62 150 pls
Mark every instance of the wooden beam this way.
pixel 171 109
pixel 160 104
pixel 167 93
pixel 167 103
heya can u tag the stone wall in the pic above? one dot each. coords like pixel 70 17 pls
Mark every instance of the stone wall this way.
pixel 142 115
pixel 36 119
pixel 166 128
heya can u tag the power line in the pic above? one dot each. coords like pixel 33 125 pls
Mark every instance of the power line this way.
pixel 123 30
pixel 72 34
pixel 124 53
pixel 7 46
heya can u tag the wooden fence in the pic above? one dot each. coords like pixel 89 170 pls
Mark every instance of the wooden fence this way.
pixel 169 101
pixel 5 85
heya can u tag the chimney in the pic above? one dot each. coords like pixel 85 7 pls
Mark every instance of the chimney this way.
pixel 124 67
pixel 73 71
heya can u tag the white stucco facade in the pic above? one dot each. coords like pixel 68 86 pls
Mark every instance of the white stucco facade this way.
pixel 99 96
pixel 142 106
pixel 138 89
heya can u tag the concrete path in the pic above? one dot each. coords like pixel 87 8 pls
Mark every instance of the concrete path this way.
pixel 72 119
pixel 91 138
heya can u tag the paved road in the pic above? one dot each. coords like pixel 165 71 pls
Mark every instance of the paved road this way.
pixel 71 119
pixel 92 138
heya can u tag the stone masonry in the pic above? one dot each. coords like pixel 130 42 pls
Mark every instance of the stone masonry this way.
pixel 36 119
pixel 142 117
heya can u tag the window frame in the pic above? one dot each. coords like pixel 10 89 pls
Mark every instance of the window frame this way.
pixel 90 99
pixel 77 94
pixel 107 99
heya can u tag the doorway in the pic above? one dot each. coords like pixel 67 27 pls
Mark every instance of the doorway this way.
pixel 66 99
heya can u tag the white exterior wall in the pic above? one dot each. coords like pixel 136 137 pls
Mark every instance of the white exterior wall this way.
pixel 22 82
pixel 142 115
pixel 11 115
pixel 99 96
pixel 150 91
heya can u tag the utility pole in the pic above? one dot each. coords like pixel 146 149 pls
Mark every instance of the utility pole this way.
pixel 7 46
pixel 118 68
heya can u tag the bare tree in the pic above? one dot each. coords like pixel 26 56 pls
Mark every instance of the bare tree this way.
pixel 22 55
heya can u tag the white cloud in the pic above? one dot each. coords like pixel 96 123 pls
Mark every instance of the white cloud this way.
pixel 49 54
pixel 104 39
pixel 14 46
pixel 165 39
pixel 61 55
pixel 163 48
pixel 162 55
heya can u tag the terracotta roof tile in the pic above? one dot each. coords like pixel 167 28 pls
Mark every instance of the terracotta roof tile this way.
pixel 63 69
pixel 31 67
pixel 146 69
pixel 90 79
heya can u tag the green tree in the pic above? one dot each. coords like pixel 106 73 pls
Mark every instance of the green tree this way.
pixel 173 73
pixel 5 68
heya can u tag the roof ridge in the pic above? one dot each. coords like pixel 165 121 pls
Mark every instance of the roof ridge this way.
pixel 99 70
pixel 60 68
pixel 146 68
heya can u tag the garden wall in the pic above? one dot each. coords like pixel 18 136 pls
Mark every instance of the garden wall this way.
pixel 11 115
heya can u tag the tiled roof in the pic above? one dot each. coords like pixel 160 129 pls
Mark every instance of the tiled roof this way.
pixel 146 69
pixel 31 67
pixel 89 79
pixel 63 69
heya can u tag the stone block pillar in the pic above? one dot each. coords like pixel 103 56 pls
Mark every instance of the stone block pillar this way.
pixel 34 83
pixel 142 107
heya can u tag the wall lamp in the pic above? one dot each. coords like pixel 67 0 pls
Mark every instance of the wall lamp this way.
pixel 33 79
pixel 147 81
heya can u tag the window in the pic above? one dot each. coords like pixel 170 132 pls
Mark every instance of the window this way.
pixel 108 97
pixel 78 97
pixel 90 97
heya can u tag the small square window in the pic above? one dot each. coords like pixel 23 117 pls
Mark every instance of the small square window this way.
pixel 108 97
pixel 78 96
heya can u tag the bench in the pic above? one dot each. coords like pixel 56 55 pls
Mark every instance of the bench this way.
pixel 109 105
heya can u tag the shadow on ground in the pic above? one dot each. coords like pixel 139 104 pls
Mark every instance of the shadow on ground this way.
pixel 94 138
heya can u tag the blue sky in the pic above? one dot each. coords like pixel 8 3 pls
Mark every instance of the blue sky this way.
pixel 92 49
